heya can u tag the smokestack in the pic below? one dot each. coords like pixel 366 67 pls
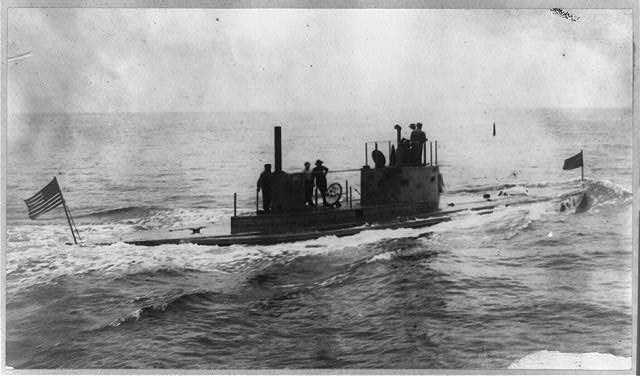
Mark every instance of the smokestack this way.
pixel 278 149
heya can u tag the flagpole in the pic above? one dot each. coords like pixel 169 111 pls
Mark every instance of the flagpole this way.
pixel 74 224
pixel 66 211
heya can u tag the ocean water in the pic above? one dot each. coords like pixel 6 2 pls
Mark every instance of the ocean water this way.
pixel 479 292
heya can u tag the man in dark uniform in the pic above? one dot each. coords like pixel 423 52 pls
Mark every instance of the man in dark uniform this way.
pixel 415 146
pixel 418 138
pixel 308 184
pixel 320 175
pixel 264 183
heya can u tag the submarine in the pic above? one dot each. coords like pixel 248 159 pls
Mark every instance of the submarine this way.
pixel 404 192
pixel 401 193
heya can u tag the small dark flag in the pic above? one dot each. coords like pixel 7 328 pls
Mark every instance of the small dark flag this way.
pixel 573 162
pixel 48 198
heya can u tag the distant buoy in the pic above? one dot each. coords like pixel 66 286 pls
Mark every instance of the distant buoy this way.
pixel 494 129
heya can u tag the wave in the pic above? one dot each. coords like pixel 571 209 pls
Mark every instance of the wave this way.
pixel 296 273
pixel 508 186
pixel 176 303
pixel 598 194
pixel 585 361
pixel 33 266
pixel 543 206
pixel 599 191
pixel 416 254
pixel 123 213
pixel 484 188
pixel 159 272
pixel 606 193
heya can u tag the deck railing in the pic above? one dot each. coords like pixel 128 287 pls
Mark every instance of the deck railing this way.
pixel 347 194
pixel 347 198
pixel 433 148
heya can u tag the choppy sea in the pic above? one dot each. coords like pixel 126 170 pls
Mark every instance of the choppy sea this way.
pixel 479 292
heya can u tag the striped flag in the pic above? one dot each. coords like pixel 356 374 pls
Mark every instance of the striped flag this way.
pixel 48 198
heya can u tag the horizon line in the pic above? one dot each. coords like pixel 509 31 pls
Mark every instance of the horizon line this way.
pixel 440 110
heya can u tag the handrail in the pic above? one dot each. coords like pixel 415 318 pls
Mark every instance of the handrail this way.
pixel 379 141
pixel 423 157
pixel 347 170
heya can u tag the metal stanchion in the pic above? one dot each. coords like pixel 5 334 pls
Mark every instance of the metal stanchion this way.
pixel 436 152
pixel 366 155
pixel 346 189
pixel 430 153
pixel 424 153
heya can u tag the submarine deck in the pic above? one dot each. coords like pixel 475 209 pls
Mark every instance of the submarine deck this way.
pixel 220 233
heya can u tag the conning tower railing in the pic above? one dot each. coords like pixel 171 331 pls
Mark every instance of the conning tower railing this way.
pixel 408 148
pixel 350 192
pixel 401 153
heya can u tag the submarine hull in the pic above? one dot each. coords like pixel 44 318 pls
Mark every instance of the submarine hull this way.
pixel 323 219
pixel 276 238
pixel 387 193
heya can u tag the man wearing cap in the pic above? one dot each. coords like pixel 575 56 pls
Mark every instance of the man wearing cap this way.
pixel 414 153
pixel 417 140
pixel 320 175
pixel 308 184
pixel 264 183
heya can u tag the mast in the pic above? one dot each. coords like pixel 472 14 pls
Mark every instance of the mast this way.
pixel 66 211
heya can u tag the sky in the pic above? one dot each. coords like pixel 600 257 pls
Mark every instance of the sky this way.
pixel 226 60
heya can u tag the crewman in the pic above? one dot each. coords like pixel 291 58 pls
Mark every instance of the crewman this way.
pixel 264 183
pixel 418 138
pixel 320 175
pixel 415 146
pixel 422 135
pixel 308 184
pixel 413 130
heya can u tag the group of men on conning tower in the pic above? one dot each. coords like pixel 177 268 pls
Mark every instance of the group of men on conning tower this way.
pixel 318 175
pixel 410 151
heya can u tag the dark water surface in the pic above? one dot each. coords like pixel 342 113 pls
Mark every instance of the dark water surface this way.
pixel 481 291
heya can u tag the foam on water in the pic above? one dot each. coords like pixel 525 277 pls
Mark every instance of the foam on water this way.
pixel 41 259
pixel 38 264
pixel 571 361
pixel 476 292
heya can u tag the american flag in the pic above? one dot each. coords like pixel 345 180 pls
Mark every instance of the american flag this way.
pixel 48 198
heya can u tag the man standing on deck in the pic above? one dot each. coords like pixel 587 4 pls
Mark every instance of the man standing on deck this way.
pixel 320 174
pixel 264 183
pixel 415 145
pixel 418 138
pixel 308 184
pixel 412 126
